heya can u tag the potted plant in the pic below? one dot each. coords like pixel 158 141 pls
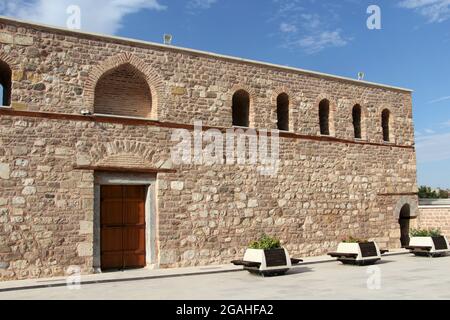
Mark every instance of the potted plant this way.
pixel 357 251
pixel 428 242
pixel 266 257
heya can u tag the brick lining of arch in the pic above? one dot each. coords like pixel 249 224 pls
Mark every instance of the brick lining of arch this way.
pixel 279 90
pixel 253 101
pixel 120 153
pixel 7 59
pixel 273 101
pixel 153 80
pixel 331 118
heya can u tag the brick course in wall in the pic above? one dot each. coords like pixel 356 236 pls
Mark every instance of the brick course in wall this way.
pixel 326 187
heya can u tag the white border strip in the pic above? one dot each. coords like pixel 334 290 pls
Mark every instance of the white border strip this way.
pixel 434 207
pixel 206 53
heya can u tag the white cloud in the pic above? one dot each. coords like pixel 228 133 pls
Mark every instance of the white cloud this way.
pixel 433 10
pixel 103 16
pixel 288 28
pixel 318 42
pixel 430 131
pixel 440 100
pixel 433 148
pixel 311 32
pixel 201 4
pixel 312 20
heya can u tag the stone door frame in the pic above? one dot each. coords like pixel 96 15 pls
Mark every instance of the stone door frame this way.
pixel 128 179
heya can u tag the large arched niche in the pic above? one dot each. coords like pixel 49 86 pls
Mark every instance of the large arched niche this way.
pixel 124 85
pixel 123 91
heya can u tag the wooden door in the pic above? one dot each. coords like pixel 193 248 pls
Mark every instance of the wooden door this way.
pixel 123 227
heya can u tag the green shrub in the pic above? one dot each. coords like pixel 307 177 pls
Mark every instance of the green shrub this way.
pixel 266 243
pixel 351 239
pixel 425 232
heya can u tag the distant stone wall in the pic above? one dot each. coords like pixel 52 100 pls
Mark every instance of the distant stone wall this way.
pixel 434 217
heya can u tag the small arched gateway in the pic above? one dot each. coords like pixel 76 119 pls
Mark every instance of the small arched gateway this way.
pixel 405 217
pixel 405 210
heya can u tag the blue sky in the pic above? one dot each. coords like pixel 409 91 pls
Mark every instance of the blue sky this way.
pixel 411 50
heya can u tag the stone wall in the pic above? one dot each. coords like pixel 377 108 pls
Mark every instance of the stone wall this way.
pixel 206 214
pixel 57 71
pixel 326 187
pixel 434 217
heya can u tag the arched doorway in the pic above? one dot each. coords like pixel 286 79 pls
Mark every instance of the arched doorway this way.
pixel 404 221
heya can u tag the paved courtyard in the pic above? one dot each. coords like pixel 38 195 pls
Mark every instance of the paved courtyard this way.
pixel 396 277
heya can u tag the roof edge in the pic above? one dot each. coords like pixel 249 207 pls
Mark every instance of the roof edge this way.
pixel 200 52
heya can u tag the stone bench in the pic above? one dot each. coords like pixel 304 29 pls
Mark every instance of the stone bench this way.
pixel 343 255
pixel 250 264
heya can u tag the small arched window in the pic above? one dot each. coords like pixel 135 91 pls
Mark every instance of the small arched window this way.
pixel 385 123
pixel 324 117
pixel 283 112
pixel 356 115
pixel 5 84
pixel 241 108
pixel 123 91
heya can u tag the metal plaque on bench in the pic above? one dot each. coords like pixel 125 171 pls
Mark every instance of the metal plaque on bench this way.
pixel 440 243
pixel 275 257
pixel 368 249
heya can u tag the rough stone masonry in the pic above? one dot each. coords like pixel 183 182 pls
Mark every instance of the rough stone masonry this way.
pixel 84 106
